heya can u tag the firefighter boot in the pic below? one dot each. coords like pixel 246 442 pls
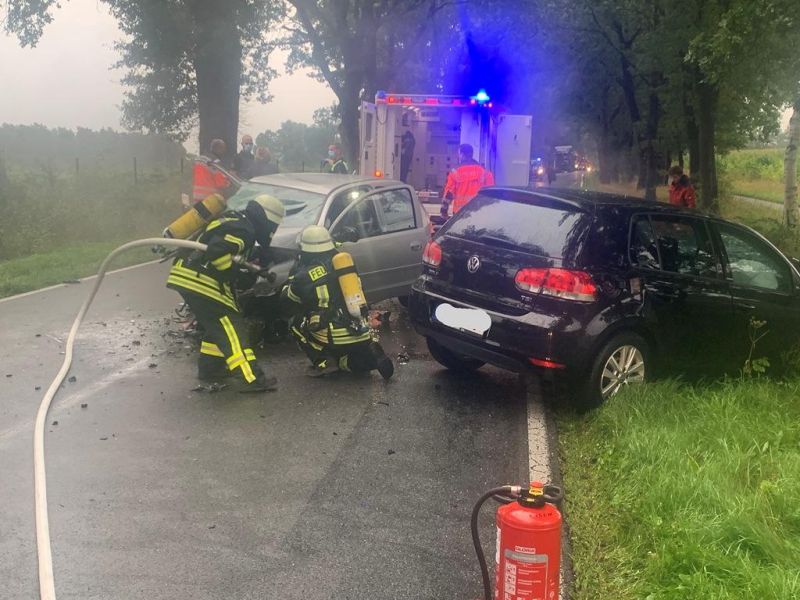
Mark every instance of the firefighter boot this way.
pixel 262 383
pixel 383 363
pixel 326 367
pixel 211 368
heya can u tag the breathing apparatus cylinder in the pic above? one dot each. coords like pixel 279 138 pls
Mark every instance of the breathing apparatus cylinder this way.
pixel 350 283
pixel 197 217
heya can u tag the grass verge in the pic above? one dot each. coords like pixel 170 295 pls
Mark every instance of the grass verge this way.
pixel 19 275
pixel 675 492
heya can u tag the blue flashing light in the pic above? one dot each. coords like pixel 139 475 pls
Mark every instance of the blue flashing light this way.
pixel 481 97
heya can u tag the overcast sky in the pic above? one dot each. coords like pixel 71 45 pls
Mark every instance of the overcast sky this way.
pixel 67 79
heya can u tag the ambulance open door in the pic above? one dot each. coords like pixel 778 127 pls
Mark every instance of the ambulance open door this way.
pixel 512 160
pixel 368 139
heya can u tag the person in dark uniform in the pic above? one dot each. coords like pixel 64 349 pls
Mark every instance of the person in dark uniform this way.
pixel 208 281
pixel 332 339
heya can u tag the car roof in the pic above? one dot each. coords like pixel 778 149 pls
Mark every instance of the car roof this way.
pixel 321 183
pixel 590 200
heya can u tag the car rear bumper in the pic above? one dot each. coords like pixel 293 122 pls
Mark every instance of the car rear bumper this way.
pixel 511 342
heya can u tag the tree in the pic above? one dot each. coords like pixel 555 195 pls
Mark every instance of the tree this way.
pixel 353 45
pixel 187 61
pixel 790 167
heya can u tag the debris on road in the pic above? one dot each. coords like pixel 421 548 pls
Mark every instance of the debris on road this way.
pixel 391 452
pixel 72 379
pixel 152 365
pixel 136 343
pixel 84 405
pixel 71 281
pixel 55 422
pixel 9 374
pixel 104 438
pixel 37 388
pixel 403 358
pixel 210 388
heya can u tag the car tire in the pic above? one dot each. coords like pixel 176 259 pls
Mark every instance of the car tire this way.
pixel 625 359
pixel 452 361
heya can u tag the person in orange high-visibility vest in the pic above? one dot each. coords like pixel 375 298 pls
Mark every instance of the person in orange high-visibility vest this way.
pixel 206 179
pixel 464 182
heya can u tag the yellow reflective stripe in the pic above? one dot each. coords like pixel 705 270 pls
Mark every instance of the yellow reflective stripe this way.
pixel 223 262
pixel 179 269
pixel 323 298
pixel 322 336
pixel 236 351
pixel 317 273
pixel 293 297
pixel 217 222
pixel 249 354
pixel 314 320
pixel 213 286
pixel 203 291
pixel 235 240
pixel 235 361
pixel 343 360
pixel 352 340
pixel 211 349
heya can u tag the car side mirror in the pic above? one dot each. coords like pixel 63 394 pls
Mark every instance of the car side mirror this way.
pixel 346 234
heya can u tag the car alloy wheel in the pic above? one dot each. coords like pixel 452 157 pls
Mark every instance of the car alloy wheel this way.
pixel 624 366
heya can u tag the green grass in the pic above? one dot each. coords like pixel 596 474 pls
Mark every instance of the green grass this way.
pixel 675 492
pixel 763 189
pixel 19 275
pixel 757 173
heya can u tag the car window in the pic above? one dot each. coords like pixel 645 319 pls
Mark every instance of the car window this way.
pixel 751 263
pixel 396 210
pixel 363 218
pixel 344 199
pixel 684 246
pixel 643 250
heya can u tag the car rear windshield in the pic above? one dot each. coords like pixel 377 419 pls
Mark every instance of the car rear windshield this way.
pixel 555 230
pixel 302 207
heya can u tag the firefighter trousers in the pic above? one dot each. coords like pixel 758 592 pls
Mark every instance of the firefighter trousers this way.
pixel 225 347
pixel 358 357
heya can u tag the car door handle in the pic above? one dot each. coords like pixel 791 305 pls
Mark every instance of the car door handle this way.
pixel 416 246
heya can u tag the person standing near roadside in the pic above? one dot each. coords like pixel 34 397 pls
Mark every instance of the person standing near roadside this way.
pixel 681 192
pixel 206 178
pixel 243 163
pixel 263 164
pixel 335 162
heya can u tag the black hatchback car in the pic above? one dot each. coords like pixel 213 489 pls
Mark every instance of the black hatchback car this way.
pixel 601 290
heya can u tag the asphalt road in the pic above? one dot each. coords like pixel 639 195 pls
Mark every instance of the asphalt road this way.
pixel 346 488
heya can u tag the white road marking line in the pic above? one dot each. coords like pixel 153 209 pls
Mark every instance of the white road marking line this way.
pixel 77 397
pixel 89 278
pixel 538 445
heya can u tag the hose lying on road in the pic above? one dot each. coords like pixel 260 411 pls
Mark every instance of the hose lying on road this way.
pixel 46 583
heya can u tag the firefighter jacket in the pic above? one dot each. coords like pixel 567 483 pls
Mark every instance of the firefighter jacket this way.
pixel 212 273
pixel 207 180
pixel 313 293
pixel 464 182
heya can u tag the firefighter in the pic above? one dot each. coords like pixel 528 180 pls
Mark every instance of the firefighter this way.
pixel 324 329
pixel 464 182
pixel 335 162
pixel 208 282
pixel 207 179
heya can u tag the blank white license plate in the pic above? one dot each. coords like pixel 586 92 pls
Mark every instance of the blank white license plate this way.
pixel 471 320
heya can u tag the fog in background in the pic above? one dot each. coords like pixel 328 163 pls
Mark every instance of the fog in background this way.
pixel 67 80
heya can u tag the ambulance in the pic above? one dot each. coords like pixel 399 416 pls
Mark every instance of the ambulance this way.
pixel 415 138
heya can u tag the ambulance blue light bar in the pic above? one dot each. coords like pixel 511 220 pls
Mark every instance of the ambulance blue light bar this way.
pixel 480 98
pixel 421 100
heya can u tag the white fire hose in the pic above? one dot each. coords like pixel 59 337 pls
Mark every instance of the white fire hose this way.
pixel 46 582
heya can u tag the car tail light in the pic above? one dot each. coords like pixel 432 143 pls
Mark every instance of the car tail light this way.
pixel 432 255
pixel 378 173
pixel 561 283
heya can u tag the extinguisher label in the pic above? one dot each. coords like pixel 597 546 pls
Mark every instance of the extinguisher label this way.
pixel 525 576
pixel 497 548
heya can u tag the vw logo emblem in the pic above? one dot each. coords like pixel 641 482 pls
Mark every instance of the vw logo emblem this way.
pixel 473 264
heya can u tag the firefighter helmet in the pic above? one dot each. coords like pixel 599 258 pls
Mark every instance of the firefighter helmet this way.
pixel 273 208
pixel 315 239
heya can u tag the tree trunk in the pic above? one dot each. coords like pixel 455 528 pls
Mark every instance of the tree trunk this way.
pixel 707 97
pixel 790 168
pixel 349 107
pixel 693 134
pixel 651 152
pixel 218 67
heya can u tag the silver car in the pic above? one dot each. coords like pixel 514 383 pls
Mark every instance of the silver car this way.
pixel 380 222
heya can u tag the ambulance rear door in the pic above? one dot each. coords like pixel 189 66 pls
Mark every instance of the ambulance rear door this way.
pixel 513 150
pixel 368 136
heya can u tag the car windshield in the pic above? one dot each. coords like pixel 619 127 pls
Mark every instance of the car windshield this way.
pixel 302 207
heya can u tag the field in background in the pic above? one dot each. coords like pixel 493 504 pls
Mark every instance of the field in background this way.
pixel 757 173
pixel 60 227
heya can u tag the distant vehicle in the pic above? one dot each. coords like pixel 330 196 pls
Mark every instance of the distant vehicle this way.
pixel 538 169
pixel 379 221
pixel 582 164
pixel 601 291
pixel 416 136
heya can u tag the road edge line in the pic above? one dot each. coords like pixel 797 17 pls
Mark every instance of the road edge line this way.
pixel 82 279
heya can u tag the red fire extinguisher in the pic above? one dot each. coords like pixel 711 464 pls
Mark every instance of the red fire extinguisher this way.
pixel 528 550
